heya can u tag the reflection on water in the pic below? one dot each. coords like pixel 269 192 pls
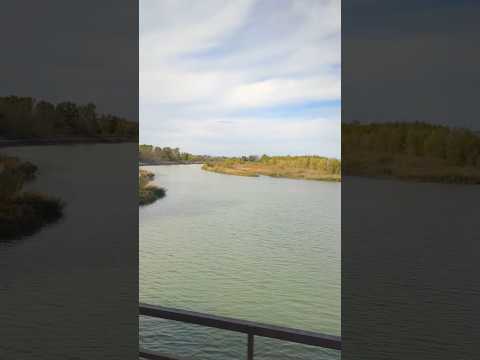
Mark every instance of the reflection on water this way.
pixel 261 249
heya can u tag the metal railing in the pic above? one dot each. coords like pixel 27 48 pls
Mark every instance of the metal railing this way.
pixel 249 328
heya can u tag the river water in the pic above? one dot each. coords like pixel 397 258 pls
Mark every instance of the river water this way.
pixel 67 290
pixel 261 249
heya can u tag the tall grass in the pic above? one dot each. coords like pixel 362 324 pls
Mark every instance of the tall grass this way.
pixel 295 167
pixel 148 193
pixel 23 213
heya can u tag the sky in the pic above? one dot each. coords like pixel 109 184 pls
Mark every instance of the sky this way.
pixel 241 77
pixel 93 58
pixel 413 61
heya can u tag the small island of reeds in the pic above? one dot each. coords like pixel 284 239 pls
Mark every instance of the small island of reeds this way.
pixel 148 193
pixel 293 167
pixel 22 213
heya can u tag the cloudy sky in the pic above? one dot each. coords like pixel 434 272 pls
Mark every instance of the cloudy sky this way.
pixel 241 77
pixel 413 61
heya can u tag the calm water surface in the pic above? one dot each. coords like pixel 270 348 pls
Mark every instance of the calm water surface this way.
pixel 46 279
pixel 410 288
pixel 260 249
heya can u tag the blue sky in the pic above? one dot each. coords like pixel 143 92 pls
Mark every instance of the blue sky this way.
pixel 241 77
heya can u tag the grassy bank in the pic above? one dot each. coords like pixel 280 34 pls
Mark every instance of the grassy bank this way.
pixel 293 167
pixel 410 168
pixel 148 193
pixel 23 213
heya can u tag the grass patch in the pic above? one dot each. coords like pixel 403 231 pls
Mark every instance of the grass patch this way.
pixel 282 169
pixel 218 168
pixel 23 213
pixel 27 213
pixel 147 193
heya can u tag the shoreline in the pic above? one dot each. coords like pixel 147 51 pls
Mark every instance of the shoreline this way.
pixel 413 169
pixel 422 179
pixel 266 172
pixel 4 143
pixel 162 163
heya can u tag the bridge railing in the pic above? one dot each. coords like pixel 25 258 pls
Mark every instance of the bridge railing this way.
pixel 250 328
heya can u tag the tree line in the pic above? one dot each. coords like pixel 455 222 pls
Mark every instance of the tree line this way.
pixel 25 117
pixel 460 147
pixel 307 162
pixel 154 154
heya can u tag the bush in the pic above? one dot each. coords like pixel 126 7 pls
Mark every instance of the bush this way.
pixel 22 213
pixel 26 213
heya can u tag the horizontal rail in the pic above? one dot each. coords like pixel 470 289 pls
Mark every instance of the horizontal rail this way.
pixel 243 326
pixel 154 355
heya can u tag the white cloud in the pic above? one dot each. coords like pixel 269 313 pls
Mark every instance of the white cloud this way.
pixel 227 136
pixel 284 91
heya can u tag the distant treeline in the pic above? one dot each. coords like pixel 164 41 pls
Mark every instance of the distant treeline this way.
pixel 459 147
pixel 411 151
pixel 311 162
pixel 152 154
pixel 25 117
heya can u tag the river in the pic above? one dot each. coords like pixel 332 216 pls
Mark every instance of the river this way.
pixel 68 288
pixel 261 249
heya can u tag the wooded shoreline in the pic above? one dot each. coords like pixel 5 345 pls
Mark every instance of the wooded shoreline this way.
pixel 166 162
pixel 416 152
pixel 63 141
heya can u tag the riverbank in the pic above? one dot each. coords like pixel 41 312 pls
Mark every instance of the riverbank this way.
pixel 23 213
pixel 147 193
pixel 409 168
pixel 168 162
pixel 254 169
pixel 412 151
pixel 63 141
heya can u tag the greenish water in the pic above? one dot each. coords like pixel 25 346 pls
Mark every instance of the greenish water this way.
pixel 260 249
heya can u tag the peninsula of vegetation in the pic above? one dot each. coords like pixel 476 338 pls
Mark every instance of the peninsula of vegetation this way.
pixel 411 151
pixel 23 213
pixel 294 167
pixel 148 193
pixel 26 121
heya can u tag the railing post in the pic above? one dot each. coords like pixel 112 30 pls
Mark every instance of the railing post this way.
pixel 250 347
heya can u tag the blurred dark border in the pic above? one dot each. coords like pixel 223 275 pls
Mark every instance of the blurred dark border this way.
pixel 70 290
pixel 409 263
